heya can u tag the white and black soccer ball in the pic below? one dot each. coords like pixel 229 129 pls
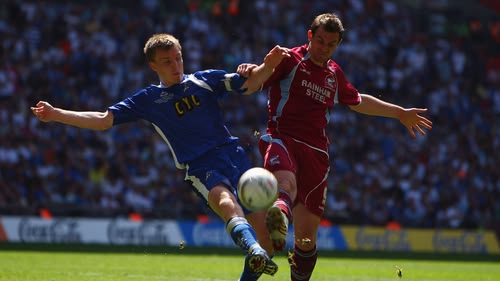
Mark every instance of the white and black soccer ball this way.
pixel 257 189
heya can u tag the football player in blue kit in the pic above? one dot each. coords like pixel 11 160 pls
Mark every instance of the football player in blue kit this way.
pixel 184 110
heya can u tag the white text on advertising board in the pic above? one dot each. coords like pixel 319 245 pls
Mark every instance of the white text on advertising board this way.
pixel 382 240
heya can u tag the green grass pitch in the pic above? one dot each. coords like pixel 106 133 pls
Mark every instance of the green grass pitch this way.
pixel 21 262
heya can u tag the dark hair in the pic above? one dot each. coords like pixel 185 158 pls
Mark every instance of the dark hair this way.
pixel 330 22
pixel 163 41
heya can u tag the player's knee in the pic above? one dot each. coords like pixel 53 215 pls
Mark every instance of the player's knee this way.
pixel 287 182
pixel 305 244
pixel 223 203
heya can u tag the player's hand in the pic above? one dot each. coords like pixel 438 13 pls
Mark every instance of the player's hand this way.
pixel 245 69
pixel 43 111
pixel 275 56
pixel 415 122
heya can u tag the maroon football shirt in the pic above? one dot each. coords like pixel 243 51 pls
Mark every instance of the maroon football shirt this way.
pixel 301 95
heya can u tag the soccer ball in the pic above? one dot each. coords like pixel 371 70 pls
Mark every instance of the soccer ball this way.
pixel 257 189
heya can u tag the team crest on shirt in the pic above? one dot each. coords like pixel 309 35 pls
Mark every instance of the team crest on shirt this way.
pixel 164 97
pixel 330 82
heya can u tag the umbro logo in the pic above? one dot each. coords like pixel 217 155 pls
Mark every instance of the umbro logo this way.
pixel 273 161
pixel 305 71
pixel 164 97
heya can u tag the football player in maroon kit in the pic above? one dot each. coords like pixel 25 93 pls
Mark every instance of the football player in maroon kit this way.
pixel 302 90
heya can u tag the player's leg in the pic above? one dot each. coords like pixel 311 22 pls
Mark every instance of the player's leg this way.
pixel 304 255
pixel 224 203
pixel 307 212
pixel 279 215
pixel 215 176
pixel 279 160
pixel 258 221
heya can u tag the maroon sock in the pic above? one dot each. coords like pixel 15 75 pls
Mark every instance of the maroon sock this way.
pixel 284 202
pixel 302 264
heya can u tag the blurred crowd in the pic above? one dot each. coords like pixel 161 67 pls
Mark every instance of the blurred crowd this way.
pixel 87 55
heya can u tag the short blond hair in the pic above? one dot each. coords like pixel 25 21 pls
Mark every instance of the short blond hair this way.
pixel 161 40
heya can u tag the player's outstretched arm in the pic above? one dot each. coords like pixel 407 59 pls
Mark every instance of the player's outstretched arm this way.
pixel 411 118
pixel 84 119
pixel 257 75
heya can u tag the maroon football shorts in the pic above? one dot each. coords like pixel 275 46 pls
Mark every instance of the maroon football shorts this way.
pixel 309 164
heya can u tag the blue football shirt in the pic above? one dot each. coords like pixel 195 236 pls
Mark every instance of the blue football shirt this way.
pixel 186 115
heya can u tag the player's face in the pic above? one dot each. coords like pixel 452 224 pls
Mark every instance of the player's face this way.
pixel 322 45
pixel 169 65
